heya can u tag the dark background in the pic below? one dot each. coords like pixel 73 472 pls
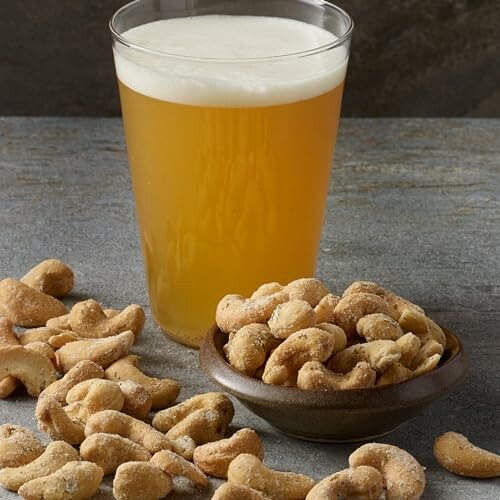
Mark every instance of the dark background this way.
pixel 409 58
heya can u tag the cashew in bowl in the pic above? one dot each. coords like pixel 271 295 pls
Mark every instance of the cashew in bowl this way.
pixel 359 482
pixel 248 470
pixel 163 391
pixel 403 476
pixel 214 458
pixel 229 491
pixel 409 345
pixel 326 307
pixel 337 332
pixel 290 317
pixel 422 326
pixel 311 344
pixel 267 289
pixel 457 454
pixel 144 480
pixel 378 326
pixel 18 446
pixel 78 481
pixel 50 276
pixel 311 290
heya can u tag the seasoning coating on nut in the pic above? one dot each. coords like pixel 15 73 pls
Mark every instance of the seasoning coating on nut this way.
pixel 140 480
pixel 18 446
pixel 311 290
pixel 378 327
pixel 291 317
pixel 325 310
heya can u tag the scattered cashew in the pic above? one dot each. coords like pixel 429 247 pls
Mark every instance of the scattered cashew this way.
pixel 42 334
pixel 267 289
pixel 248 470
pixel 404 477
pixel 176 466
pixel 7 337
pixel 457 454
pixel 359 482
pixel 18 446
pixel 235 311
pixel 50 276
pixel 326 307
pixel 63 338
pixel 409 345
pixel 103 352
pixel 73 481
pixel 87 319
pixel 33 369
pixel 202 426
pixel 311 290
pixel 163 391
pixel 249 346
pixel 291 317
pixel 53 458
pixel 93 395
pixel 109 451
pixel 138 401
pixel 214 458
pixel 378 326
pixel 228 491
pixel 140 480
pixel 311 344
pixel 26 306
pixel 380 354
pixel 314 376
pixel 114 422
pixel 422 326
pixel 43 349
pixel 59 322
pixel 337 332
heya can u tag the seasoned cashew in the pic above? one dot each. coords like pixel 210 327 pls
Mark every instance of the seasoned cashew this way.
pixel 229 491
pixel 409 345
pixel 93 395
pixel 43 349
pixel 33 369
pixel 214 458
pixel 42 334
pixel 422 326
pixel 18 446
pixel 202 426
pixel 395 374
pixel 428 350
pixel 291 317
pixel 311 290
pixel 248 470
pixel 457 454
pixel 7 337
pixel 114 422
pixel 163 391
pixel 109 451
pixel 73 481
pixel 337 332
pixel 59 322
pixel 176 466
pixel 87 319
pixel 52 277
pixel 138 401
pixel 380 354
pixel 63 338
pixel 326 307
pixel 103 352
pixel 235 311
pixel 267 289
pixel 53 458
pixel 140 480
pixel 84 370
pixel 404 477
pixel 26 306
pixel 378 326
pixel 311 344
pixel 249 346
pixel 360 482
pixel 314 376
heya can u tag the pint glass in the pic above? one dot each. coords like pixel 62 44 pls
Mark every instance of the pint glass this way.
pixel 230 112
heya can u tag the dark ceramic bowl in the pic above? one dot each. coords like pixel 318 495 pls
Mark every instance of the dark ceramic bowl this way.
pixel 334 416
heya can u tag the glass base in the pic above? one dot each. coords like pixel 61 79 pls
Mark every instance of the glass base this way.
pixel 177 338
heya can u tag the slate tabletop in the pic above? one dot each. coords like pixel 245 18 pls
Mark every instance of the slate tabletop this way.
pixel 414 204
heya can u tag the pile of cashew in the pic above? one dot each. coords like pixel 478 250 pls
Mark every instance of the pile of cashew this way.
pixel 304 336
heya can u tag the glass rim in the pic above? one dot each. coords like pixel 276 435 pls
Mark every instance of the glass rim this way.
pixel 292 55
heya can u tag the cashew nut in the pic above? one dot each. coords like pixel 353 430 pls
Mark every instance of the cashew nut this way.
pixel 267 289
pixel 87 319
pixel 311 290
pixel 311 344
pixel 395 374
pixel 360 482
pixel 214 458
pixel 26 306
pixel 42 334
pixel 290 317
pixel 163 391
pixel 409 345
pixel 103 352
pixel 73 481
pixel 314 376
pixel 228 491
pixel 50 276
pixel 457 454
pixel 428 350
pixel 53 458
pixel 138 401
pixel 43 349
pixel 326 307
pixel 63 338
pixel 140 480
pixel 337 332
pixel 109 451
pixel 380 354
pixel 176 466
pixel 249 346
pixel 378 327
pixel 33 369
pixel 422 326
pixel 235 311
pixel 403 476
pixel 18 446
pixel 7 337
pixel 248 470
pixel 59 322
pixel 114 422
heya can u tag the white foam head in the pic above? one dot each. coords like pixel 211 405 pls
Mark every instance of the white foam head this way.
pixel 236 75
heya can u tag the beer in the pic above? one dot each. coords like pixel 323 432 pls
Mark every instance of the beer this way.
pixel 230 159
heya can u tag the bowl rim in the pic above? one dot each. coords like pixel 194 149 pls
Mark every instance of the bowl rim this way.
pixel 421 389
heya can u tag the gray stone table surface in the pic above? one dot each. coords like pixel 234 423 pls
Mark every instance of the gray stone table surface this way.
pixel 414 204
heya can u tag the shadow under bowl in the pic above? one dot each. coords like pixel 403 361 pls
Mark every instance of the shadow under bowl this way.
pixel 334 416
